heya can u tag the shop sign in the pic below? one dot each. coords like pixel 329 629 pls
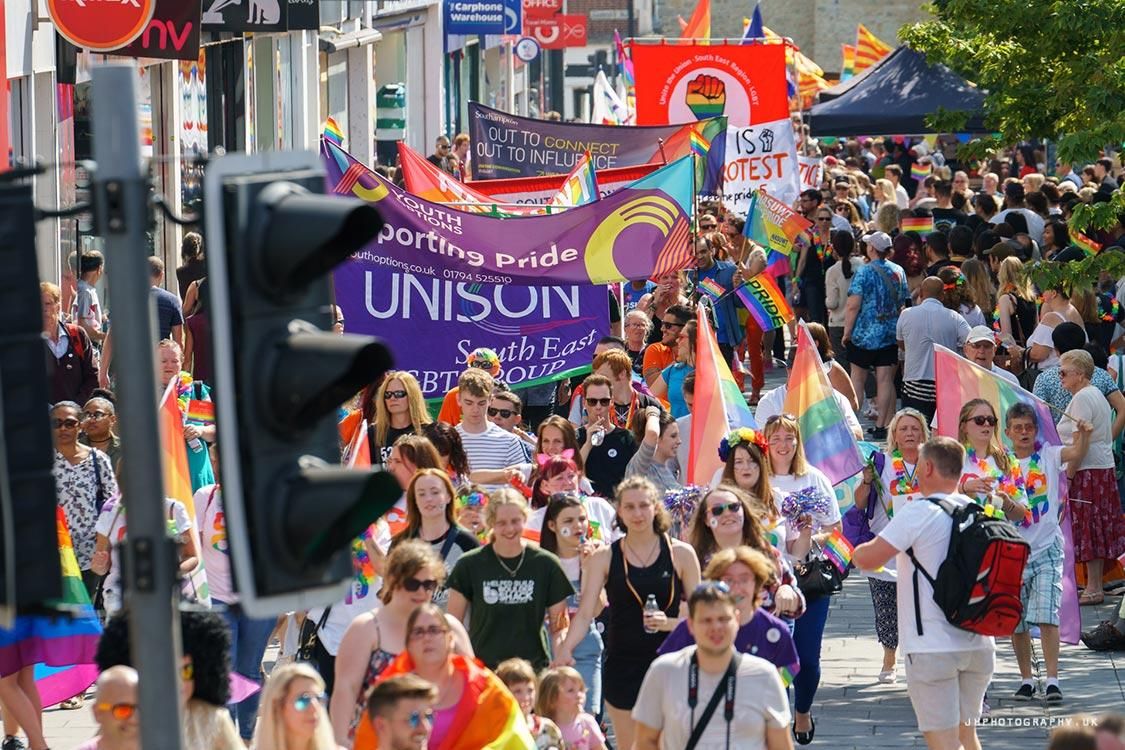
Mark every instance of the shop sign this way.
pixel 172 34
pixel 254 15
pixel 475 16
pixel 100 25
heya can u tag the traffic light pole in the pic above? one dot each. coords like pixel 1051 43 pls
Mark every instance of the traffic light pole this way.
pixel 122 212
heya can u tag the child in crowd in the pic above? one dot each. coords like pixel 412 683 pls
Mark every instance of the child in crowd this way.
pixel 471 502
pixel 519 676
pixel 562 695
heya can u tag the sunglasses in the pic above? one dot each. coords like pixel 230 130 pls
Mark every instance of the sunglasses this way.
pixel 708 227
pixel 119 711
pixel 981 421
pixel 718 510
pixel 304 701
pixel 413 584
pixel 713 586
pixel 338 322
pixel 90 415
pixel 666 324
pixel 599 401
pixel 502 413
pixel 824 218
pixel 70 423
pixel 433 630
pixel 393 394
pixel 416 717
pixel 779 417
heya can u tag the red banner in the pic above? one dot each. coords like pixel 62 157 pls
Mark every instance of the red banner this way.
pixel 680 83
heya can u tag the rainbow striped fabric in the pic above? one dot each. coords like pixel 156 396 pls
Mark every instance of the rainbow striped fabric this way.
pixel 177 478
pixel 847 70
pixel 719 405
pixel 765 302
pixel 772 224
pixel 920 224
pixel 920 171
pixel 712 288
pixel 580 186
pixel 869 49
pixel 332 132
pixel 838 550
pixel 829 443
pixel 698 27
pixel 1084 243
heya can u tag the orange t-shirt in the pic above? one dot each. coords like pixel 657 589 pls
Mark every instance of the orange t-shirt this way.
pixel 658 356
pixel 450 410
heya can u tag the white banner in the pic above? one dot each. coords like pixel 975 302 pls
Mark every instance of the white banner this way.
pixel 760 156
pixel 810 171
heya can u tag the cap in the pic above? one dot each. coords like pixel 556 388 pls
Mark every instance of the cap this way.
pixel 485 359
pixel 831 161
pixel 881 241
pixel 1000 251
pixel 980 333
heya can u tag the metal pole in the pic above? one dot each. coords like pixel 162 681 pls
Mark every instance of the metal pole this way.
pixel 122 211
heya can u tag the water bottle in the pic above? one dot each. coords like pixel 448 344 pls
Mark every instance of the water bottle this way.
pixel 651 607
pixel 597 438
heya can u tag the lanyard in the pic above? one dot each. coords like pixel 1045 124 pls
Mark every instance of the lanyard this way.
pixel 726 685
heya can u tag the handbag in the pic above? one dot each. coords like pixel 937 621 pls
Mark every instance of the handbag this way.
pixel 1029 373
pixel 856 523
pixel 817 576
pixel 310 636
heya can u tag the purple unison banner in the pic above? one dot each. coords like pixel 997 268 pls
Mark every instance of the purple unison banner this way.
pixel 640 231
pixel 540 332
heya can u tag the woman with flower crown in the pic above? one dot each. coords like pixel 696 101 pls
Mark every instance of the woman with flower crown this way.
pixel 889 483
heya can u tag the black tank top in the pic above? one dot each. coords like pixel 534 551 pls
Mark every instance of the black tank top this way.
pixel 625 631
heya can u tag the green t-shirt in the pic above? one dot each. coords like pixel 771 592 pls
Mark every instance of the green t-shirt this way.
pixel 506 611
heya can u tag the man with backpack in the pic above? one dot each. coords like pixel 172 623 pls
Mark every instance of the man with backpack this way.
pixel 948 668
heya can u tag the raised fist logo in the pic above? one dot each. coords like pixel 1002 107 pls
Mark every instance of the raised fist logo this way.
pixel 766 139
pixel 706 96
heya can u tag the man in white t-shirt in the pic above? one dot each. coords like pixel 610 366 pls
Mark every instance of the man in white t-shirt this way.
pixel 1041 594
pixel 947 669
pixel 487 445
pixel 752 711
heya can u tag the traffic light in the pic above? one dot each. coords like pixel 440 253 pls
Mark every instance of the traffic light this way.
pixel 29 553
pixel 271 239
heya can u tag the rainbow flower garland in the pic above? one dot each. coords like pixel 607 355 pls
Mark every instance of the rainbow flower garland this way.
pixel 1109 308
pixel 904 483
pixel 741 436
pixel 1011 483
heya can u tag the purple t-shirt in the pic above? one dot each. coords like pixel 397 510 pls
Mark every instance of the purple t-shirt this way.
pixel 765 636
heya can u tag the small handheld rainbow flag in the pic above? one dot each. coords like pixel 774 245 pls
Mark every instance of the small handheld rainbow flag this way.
pixel 767 305
pixel 838 550
pixel 1084 243
pixel 777 264
pixel 201 412
pixel 580 187
pixel 920 171
pixel 772 224
pixel 332 132
pixel 920 224
pixel 712 288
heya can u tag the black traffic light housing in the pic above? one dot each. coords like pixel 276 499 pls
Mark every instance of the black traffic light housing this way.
pixel 272 238
pixel 30 573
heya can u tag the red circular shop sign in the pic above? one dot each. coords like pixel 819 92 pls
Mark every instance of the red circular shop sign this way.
pixel 100 25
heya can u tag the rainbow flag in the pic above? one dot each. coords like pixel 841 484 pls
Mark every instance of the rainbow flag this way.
pixel 847 70
pixel 719 405
pixel 698 28
pixel 712 289
pixel 357 454
pixel 61 647
pixel 425 180
pixel 920 224
pixel 958 381
pixel 838 550
pixel 580 187
pixel 920 171
pixel 777 264
pixel 772 224
pixel 767 305
pixel 869 49
pixel 332 132
pixel 1084 243
pixel 628 77
pixel 201 412
pixel 829 443
pixel 177 478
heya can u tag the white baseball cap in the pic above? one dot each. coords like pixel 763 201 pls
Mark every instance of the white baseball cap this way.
pixel 980 333
pixel 881 241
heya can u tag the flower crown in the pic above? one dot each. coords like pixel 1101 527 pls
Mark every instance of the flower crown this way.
pixel 959 280
pixel 741 436
pixel 473 499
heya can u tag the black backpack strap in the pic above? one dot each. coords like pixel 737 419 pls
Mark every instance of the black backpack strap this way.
pixel 949 509
pixel 99 491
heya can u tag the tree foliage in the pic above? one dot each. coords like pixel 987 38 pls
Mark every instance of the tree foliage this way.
pixel 1050 69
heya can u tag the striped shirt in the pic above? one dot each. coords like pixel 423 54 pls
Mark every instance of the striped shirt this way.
pixel 494 448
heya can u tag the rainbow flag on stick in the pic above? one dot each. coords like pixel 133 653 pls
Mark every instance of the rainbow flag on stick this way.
pixel 848 68
pixel 332 132
pixel 712 288
pixel 838 550
pixel 698 27
pixel 829 443
pixel 719 405
pixel 1084 243
pixel 767 305
pixel 777 264
pixel 869 49
pixel 920 171
pixel 772 224
pixel 920 224
pixel 580 187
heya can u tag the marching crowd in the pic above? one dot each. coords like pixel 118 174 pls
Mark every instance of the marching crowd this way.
pixel 549 579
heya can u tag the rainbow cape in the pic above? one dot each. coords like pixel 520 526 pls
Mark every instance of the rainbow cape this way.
pixel 920 171
pixel 1084 243
pixel 580 186
pixel 829 443
pixel 487 716
pixel 920 224
pixel 60 647
pixel 719 405
pixel 333 132
pixel 772 224
pixel 765 302
pixel 869 49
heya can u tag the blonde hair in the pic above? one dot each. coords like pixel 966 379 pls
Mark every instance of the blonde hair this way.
pixel 887 218
pixel 995 448
pixel 800 466
pixel 763 567
pixel 551 683
pixel 170 344
pixel 978 282
pixel 1011 278
pixel 501 497
pixel 271 727
pixel 906 411
pixel 209 727
pixel 419 415
pixel 887 192
pixel 1080 360
pixel 515 671
pixel 46 287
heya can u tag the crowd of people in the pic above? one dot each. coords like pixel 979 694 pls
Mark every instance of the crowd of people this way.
pixel 549 579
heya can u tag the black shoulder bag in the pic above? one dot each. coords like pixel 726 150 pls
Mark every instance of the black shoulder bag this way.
pixel 725 689
pixel 310 636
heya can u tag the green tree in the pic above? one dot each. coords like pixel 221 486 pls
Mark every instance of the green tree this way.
pixel 1051 69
